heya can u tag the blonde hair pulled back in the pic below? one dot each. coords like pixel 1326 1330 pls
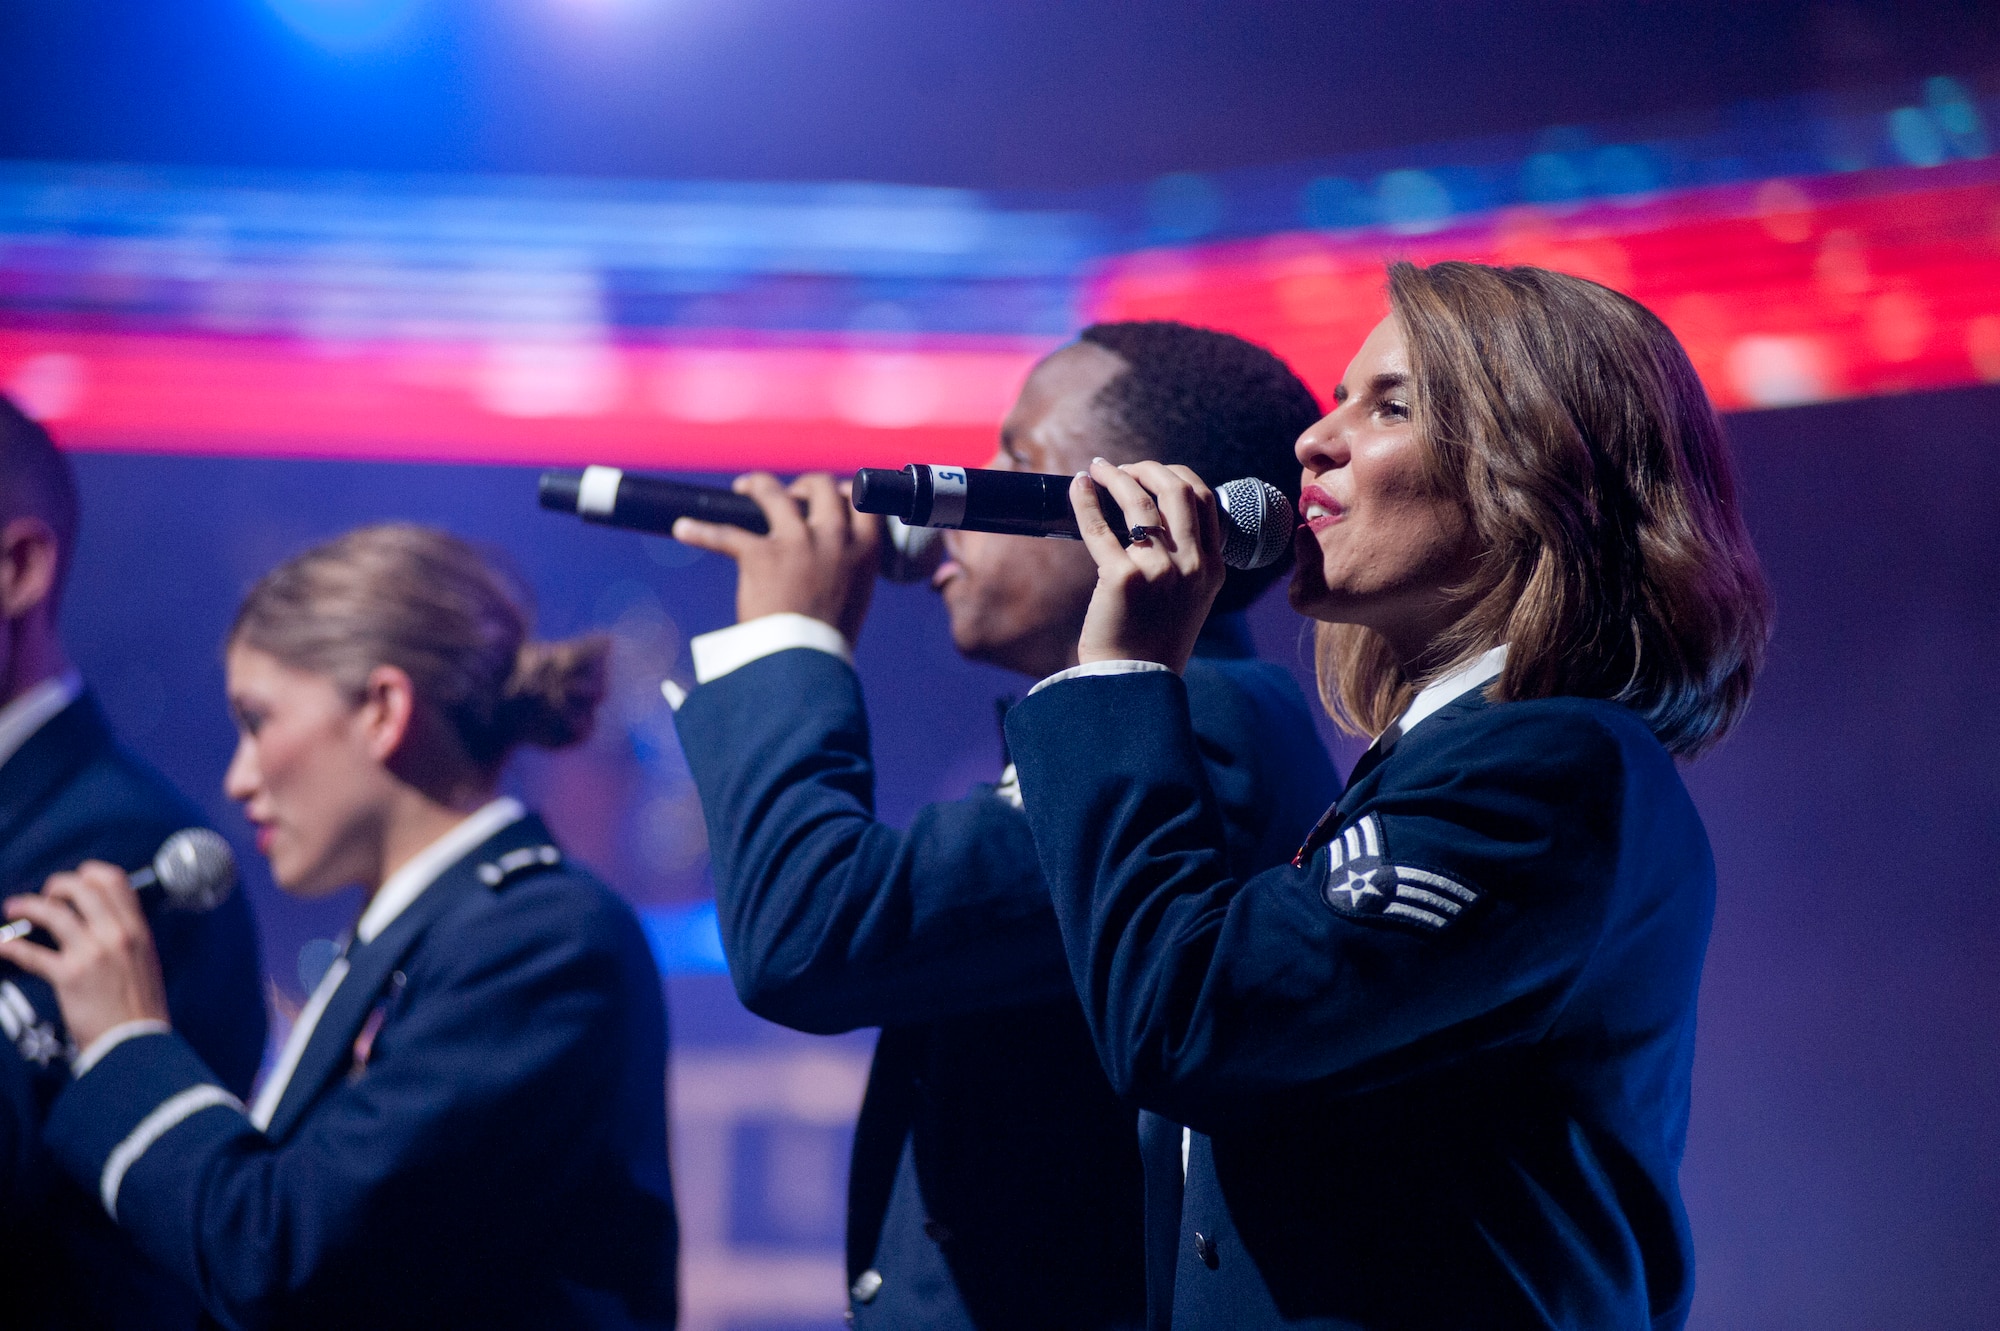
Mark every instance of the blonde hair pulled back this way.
pixel 429 604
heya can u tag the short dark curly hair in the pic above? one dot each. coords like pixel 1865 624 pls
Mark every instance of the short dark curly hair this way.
pixel 1214 403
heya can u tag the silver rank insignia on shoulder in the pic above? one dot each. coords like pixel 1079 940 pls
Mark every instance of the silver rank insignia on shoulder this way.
pixel 499 869
pixel 1361 880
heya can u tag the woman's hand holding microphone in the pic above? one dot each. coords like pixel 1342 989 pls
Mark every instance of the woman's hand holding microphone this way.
pixel 1152 596
pixel 106 971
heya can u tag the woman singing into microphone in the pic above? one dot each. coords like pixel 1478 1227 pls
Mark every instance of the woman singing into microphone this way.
pixel 1437 1070
pixel 467 1125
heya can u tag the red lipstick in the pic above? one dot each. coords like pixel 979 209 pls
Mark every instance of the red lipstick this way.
pixel 1330 511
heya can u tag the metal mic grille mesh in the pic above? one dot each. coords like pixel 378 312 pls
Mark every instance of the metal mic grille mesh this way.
pixel 195 869
pixel 1256 523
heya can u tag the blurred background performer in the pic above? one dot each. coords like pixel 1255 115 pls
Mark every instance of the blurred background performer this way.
pixel 995 1181
pixel 70 793
pixel 467 1125
pixel 1438 1070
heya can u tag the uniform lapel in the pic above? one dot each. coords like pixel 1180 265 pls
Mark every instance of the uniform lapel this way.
pixel 49 759
pixel 1361 783
pixel 370 966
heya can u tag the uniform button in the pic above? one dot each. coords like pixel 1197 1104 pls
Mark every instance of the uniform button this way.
pixel 1204 1248
pixel 937 1231
pixel 866 1286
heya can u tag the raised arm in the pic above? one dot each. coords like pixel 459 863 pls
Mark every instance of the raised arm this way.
pixel 1454 910
pixel 830 919
pixel 1455 907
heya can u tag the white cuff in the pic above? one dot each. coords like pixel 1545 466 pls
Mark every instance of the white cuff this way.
pixel 716 654
pixel 1099 668
pixel 111 1039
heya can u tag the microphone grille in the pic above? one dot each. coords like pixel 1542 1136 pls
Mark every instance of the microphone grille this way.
pixel 195 869
pixel 1257 523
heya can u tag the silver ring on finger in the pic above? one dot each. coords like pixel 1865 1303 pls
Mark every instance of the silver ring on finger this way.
pixel 1142 535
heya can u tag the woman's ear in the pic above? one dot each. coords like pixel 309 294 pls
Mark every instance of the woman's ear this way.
pixel 388 706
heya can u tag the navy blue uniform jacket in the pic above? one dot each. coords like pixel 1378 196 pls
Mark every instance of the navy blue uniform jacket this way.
pixel 475 1136
pixel 996 1178
pixel 1438 1075
pixel 71 794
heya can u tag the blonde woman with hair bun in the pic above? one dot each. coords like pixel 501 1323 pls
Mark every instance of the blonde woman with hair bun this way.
pixel 466 1127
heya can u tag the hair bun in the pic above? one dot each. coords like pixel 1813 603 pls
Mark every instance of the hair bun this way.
pixel 551 698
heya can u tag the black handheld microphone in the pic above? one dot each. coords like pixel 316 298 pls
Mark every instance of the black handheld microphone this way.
pixel 194 869
pixel 618 498
pixel 1257 519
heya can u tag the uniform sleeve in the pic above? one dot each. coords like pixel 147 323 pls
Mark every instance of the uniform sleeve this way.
pixel 830 919
pixel 485 1089
pixel 1453 912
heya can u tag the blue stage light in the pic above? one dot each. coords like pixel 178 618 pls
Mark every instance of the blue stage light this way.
pixel 346 25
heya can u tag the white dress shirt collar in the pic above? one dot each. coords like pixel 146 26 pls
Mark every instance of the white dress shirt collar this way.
pixel 1440 692
pixel 422 869
pixel 21 718
pixel 390 900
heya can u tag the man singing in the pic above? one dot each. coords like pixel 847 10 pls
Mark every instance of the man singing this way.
pixel 69 793
pixel 996 1181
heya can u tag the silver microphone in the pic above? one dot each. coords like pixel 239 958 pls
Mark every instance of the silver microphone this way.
pixel 194 869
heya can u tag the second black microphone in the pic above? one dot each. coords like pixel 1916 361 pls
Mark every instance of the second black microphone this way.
pixel 1257 518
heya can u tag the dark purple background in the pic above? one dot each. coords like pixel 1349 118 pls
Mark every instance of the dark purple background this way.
pixel 1843 1169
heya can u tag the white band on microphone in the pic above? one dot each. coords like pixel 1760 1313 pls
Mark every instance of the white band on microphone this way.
pixel 947 496
pixel 597 492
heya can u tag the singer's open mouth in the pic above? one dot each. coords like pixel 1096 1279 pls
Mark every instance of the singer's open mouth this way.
pixel 1318 509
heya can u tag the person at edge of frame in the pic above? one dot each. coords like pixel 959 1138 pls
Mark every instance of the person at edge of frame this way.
pixel 1437 1068
pixel 69 793
pixel 466 1127
pixel 996 1179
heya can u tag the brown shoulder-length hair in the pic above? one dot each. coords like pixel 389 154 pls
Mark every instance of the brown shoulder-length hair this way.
pixel 1598 484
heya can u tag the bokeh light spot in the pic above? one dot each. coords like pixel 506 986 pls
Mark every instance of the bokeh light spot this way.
pixel 1841 270
pixel 1548 178
pixel 1183 206
pixel 347 25
pixel 1621 171
pixel 1917 138
pixel 1957 115
pixel 1784 211
pixel 49 386
pixel 1335 203
pixel 1413 202
pixel 1982 343
pixel 1778 371
pixel 1899 324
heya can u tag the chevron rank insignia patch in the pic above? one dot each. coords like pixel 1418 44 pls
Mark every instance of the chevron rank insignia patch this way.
pixel 1362 881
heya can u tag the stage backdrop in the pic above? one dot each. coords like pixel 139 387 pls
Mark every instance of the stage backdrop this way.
pixel 248 362
pixel 1843 1169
